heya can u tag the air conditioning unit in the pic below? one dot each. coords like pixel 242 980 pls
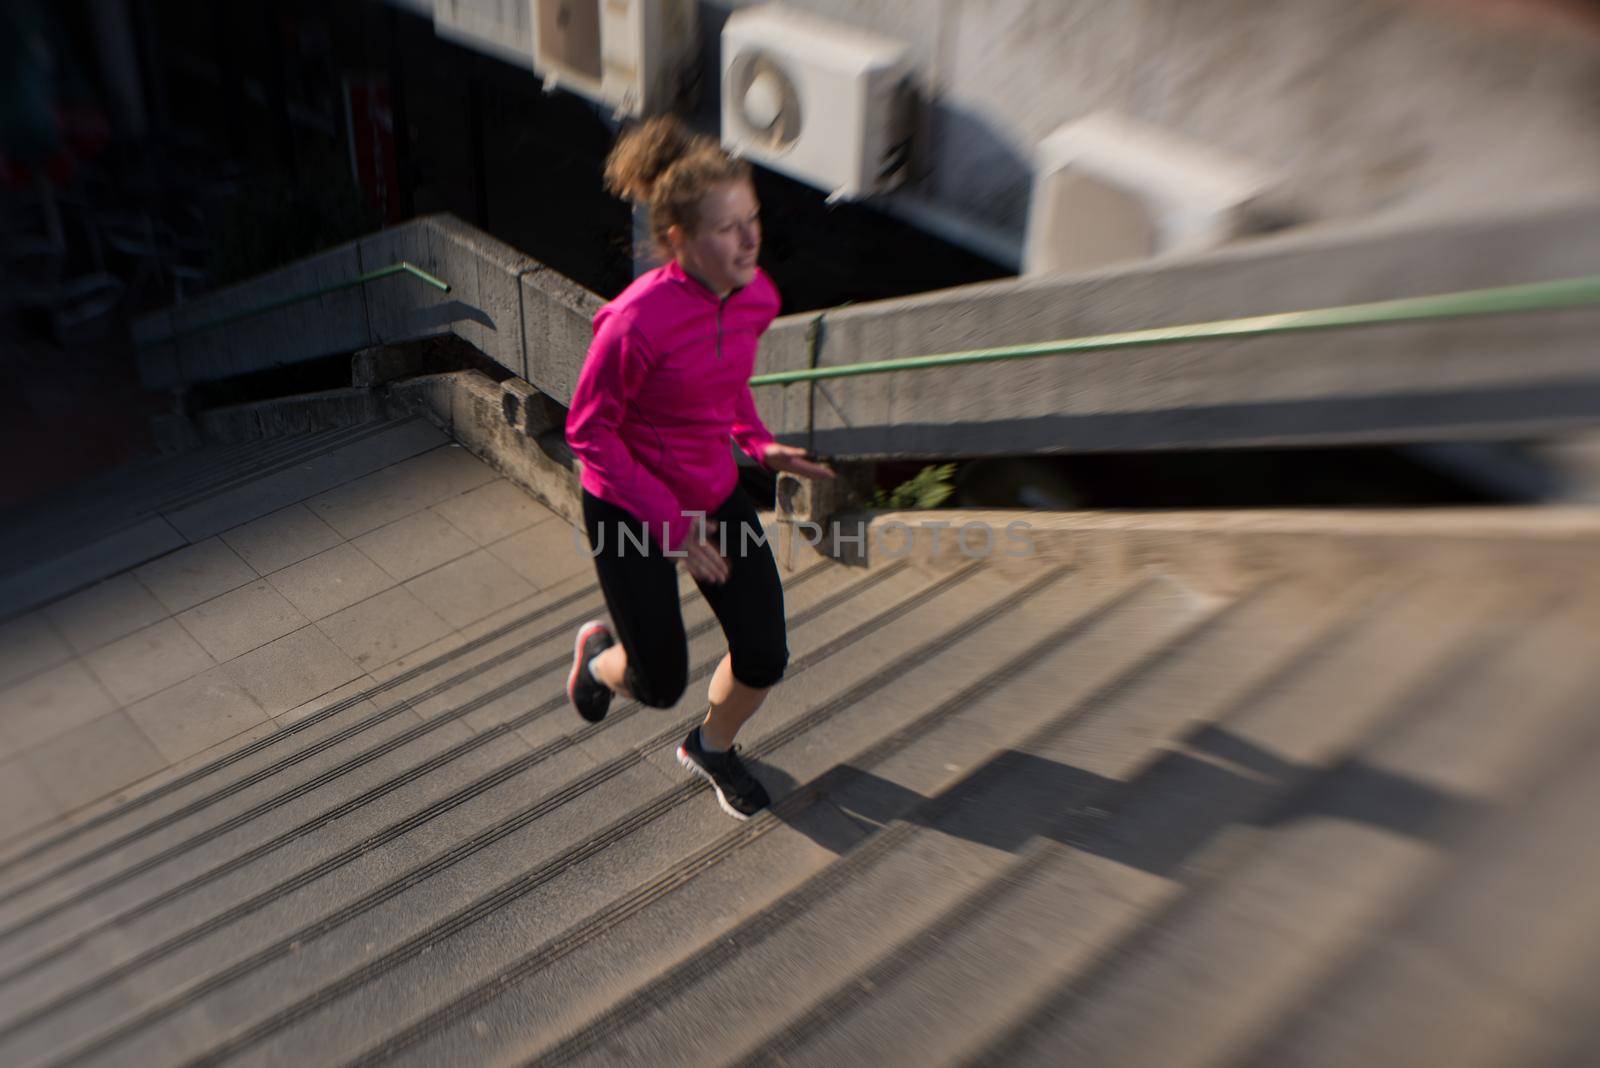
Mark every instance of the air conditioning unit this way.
pixel 629 54
pixel 1108 189
pixel 822 102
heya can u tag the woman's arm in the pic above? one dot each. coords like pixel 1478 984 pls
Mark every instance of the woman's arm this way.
pixel 757 441
pixel 749 432
pixel 616 365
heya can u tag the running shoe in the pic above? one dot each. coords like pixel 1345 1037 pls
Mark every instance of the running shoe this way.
pixel 738 792
pixel 589 695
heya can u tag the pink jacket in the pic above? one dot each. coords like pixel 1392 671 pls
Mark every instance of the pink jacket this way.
pixel 664 386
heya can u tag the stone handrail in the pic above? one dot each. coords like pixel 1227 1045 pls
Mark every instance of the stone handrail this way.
pixel 528 318
pixel 1493 377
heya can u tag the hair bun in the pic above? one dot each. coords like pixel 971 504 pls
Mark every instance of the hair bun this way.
pixel 643 155
pixel 661 165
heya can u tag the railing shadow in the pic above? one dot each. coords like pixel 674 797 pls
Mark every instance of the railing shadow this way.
pixel 1155 822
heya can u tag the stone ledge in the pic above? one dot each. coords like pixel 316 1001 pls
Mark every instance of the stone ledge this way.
pixel 381 364
pixel 295 414
pixel 1222 552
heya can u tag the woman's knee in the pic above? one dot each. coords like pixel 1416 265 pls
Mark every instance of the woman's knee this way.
pixel 660 688
pixel 761 670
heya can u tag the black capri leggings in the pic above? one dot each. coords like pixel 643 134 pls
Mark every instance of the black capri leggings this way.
pixel 641 591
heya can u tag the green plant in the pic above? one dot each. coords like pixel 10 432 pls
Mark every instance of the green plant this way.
pixel 928 488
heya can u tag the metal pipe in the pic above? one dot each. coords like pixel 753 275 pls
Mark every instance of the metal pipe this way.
pixel 402 267
pixel 1536 296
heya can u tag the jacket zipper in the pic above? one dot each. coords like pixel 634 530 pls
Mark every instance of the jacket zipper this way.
pixel 721 304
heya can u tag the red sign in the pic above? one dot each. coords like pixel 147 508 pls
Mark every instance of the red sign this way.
pixel 370 122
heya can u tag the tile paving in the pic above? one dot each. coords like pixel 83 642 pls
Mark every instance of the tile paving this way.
pixel 307 599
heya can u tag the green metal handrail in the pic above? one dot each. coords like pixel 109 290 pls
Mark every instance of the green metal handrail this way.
pixel 1536 296
pixel 399 267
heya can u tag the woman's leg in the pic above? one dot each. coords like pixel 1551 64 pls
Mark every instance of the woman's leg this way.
pixel 750 608
pixel 749 605
pixel 650 661
pixel 732 702
pixel 611 668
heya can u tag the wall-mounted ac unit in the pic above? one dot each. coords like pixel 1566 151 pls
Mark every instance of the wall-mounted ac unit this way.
pixel 1107 189
pixel 629 54
pixel 819 101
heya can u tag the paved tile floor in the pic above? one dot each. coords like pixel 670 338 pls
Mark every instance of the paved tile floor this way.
pixel 190 655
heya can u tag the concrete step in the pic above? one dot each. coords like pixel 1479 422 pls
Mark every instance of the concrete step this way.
pixel 1007 798
pixel 294 810
pixel 119 500
pixel 80 499
pixel 413 681
pixel 266 491
pixel 1492 962
pixel 268 457
pixel 757 866
pixel 416 678
pixel 943 988
pixel 437 680
pixel 459 965
pixel 1304 880
pixel 1497 970
pixel 503 735
pixel 149 909
pixel 111 492
pixel 244 462
pixel 76 552
pixel 384 896
pixel 958 845
pixel 353 732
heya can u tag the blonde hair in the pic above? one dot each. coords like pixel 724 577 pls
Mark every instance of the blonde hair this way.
pixel 661 164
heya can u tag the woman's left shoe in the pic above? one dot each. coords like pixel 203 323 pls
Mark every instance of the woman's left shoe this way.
pixel 589 695
pixel 738 792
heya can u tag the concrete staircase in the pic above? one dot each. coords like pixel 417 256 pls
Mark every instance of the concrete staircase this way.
pixel 1038 815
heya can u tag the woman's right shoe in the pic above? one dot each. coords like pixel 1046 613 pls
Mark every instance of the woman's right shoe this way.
pixel 589 695
pixel 738 792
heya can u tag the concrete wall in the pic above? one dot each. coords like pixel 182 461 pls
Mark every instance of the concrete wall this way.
pixel 1497 377
pixel 502 28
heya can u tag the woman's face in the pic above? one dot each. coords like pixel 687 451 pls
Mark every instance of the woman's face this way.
pixel 722 250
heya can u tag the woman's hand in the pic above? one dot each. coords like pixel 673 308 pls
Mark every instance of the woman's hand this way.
pixel 703 560
pixel 793 459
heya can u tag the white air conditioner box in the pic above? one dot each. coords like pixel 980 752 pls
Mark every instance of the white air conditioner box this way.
pixel 1107 189
pixel 821 102
pixel 496 27
pixel 629 54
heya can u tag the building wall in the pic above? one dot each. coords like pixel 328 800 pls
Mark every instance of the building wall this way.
pixel 1362 106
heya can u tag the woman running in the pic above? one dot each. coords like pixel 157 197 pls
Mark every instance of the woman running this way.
pixel 663 388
